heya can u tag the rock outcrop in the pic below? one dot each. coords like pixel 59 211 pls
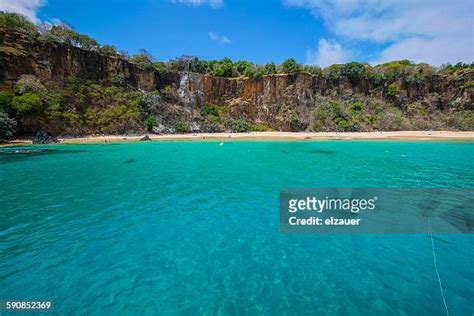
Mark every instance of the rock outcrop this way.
pixel 43 137
pixel 145 138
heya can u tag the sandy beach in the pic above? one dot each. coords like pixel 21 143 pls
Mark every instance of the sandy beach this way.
pixel 399 135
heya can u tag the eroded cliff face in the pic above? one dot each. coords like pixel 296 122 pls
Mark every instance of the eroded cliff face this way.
pixel 21 55
pixel 269 99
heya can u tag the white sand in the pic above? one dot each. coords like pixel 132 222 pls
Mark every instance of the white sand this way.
pixel 400 135
pixel 407 135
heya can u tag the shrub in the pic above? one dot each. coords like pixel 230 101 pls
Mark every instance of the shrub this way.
pixel 448 68
pixel 116 114
pixel 118 79
pixel 187 63
pixel 469 84
pixel 160 67
pixel 168 89
pixel 27 104
pixel 393 120
pixel 257 75
pixel 211 127
pixel 7 126
pixel 376 77
pixel 71 119
pixel 213 117
pixel 393 90
pixel 17 22
pixel 331 117
pixel 425 69
pixel 258 127
pixel 249 73
pixel 312 70
pixel 415 80
pixel 208 109
pixel 108 50
pixel 371 119
pixel 333 72
pixel 243 66
pixel 223 68
pixel 395 69
pixel 356 106
pixel 53 104
pixel 269 68
pixel 333 109
pixel 354 71
pixel 252 73
pixel 6 98
pixel 150 123
pixel 143 60
pixel 461 120
pixel 290 67
pixel 182 127
pixel 64 33
pixel 48 37
pixel 292 118
pixel 239 125
pixel 342 124
pixel 113 119
pixel 29 83
pixel 148 103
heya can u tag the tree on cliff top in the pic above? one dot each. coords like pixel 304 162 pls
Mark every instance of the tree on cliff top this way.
pixel 143 59
pixel 354 71
pixel 270 68
pixel 108 50
pixel 16 21
pixel 222 68
pixel 63 32
pixel 290 66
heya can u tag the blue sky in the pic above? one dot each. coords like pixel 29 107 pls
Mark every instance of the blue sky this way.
pixel 318 32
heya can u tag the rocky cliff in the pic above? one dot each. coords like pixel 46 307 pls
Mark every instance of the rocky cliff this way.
pixel 286 102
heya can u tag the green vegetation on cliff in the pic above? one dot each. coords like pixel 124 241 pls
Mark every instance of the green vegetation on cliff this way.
pixel 354 71
pixel 342 97
pixel 75 107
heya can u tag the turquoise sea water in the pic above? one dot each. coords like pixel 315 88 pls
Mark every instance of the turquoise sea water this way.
pixel 193 228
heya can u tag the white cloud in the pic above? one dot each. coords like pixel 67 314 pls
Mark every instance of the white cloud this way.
pixel 434 31
pixel 28 8
pixel 328 53
pixel 222 39
pixel 436 51
pixel 197 3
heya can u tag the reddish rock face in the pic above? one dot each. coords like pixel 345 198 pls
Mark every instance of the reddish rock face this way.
pixel 20 54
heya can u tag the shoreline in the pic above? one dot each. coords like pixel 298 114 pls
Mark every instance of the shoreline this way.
pixel 398 135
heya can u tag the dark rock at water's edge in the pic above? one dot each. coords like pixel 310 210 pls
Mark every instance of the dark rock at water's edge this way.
pixel 145 138
pixel 44 138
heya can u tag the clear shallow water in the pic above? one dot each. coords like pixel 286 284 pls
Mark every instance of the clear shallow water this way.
pixel 193 228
